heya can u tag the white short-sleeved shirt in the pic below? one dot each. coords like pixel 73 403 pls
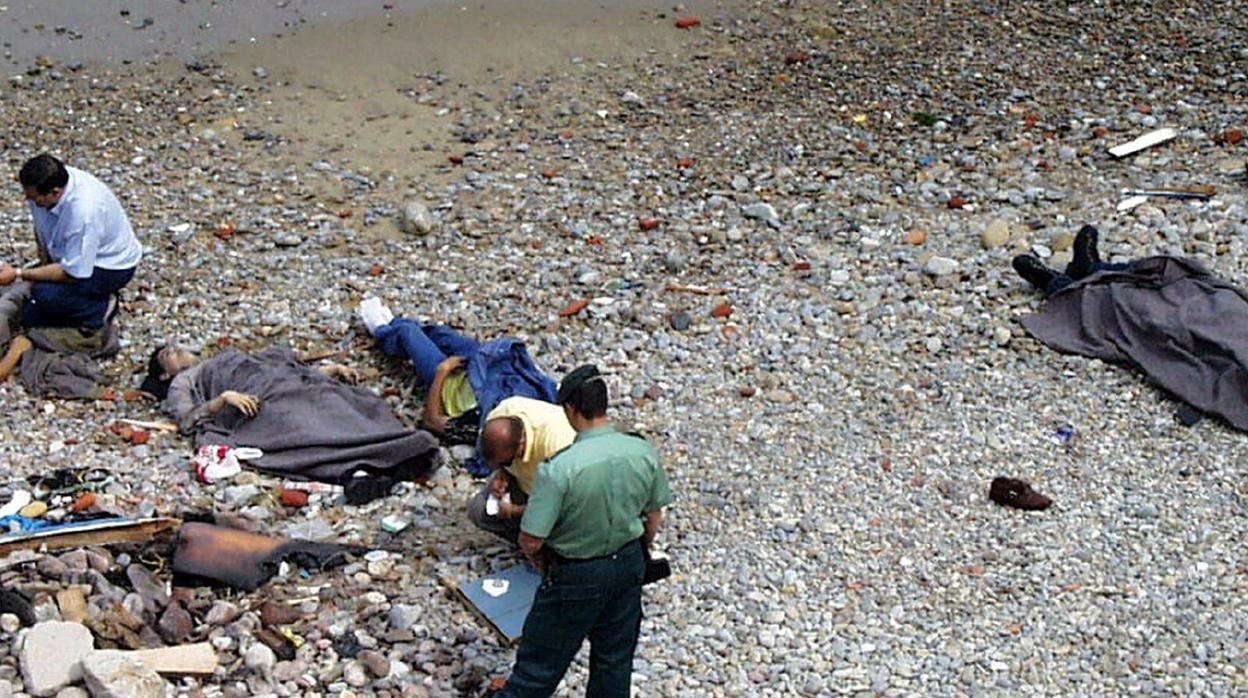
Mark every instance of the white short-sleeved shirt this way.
pixel 87 228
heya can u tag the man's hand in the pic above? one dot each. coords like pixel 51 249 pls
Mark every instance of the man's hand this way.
pixel 342 373
pixel 509 510
pixel 247 404
pixel 7 275
pixel 436 423
pixel 451 364
pixel 499 483
pixel 532 547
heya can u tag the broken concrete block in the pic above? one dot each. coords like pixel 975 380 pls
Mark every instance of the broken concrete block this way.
pixel 52 655
pixel 114 674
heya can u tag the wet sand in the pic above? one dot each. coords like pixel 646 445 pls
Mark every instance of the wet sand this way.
pixel 385 92
pixel 116 31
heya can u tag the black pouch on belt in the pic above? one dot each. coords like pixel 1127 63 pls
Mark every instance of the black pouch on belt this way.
pixel 657 566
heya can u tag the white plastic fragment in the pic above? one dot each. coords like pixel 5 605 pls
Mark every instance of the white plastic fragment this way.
pixel 1128 204
pixel 1148 140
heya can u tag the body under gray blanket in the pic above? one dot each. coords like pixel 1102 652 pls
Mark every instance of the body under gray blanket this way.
pixel 309 426
pixel 1183 327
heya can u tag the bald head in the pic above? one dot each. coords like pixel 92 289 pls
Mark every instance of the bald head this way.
pixel 502 441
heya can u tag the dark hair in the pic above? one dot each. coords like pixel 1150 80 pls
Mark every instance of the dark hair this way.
pixel 155 382
pixel 490 448
pixel 44 173
pixel 585 390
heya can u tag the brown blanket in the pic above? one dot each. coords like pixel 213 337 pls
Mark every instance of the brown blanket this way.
pixel 1168 317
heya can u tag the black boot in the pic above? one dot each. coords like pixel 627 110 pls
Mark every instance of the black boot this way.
pixel 1085 257
pixel 1033 271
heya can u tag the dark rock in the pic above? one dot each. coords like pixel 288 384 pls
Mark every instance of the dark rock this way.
pixel 175 624
pixel 276 613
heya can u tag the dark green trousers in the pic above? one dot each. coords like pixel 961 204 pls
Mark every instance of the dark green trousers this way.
pixel 599 599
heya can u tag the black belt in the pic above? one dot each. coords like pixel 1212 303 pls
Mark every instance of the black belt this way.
pixel 571 560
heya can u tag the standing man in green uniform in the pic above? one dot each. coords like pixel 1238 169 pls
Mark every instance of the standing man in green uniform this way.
pixel 594 510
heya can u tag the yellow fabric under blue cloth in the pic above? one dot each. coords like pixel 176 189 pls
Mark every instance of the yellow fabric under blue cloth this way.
pixel 457 395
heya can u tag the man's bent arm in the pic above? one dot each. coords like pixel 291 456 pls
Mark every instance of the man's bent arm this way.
pixel 654 519
pixel 53 273
pixel 434 416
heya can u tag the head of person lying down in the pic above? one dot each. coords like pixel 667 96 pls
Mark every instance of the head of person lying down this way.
pixel 165 363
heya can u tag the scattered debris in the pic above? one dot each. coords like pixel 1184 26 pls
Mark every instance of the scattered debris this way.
pixel 51 656
pixel 574 307
pixel 1128 204
pixel 698 290
pixel 76 535
pixel 1010 492
pixel 1196 192
pixel 72 604
pixel 245 560
pixel 198 659
pixel 117 674
pixel 503 599
pixel 1144 142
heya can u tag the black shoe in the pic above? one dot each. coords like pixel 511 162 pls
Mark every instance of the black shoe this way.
pixel 1189 416
pixel 1033 271
pixel 362 490
pixel 1085 257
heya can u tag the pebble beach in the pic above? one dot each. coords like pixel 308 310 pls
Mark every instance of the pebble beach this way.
pixel 783 231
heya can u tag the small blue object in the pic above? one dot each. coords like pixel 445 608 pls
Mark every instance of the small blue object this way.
pixel 1065 434
pixel 504 611
pixel 927 161
pixel 21 524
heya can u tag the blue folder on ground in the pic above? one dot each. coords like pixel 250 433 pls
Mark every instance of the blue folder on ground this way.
pixel 503 598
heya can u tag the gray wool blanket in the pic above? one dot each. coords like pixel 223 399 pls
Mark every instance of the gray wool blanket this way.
pixel 309 425
pixel 62 362
pixel 1169 318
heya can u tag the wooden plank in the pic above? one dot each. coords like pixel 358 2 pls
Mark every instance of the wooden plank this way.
pixel 93 533
pixel 153 426
pixel 199 659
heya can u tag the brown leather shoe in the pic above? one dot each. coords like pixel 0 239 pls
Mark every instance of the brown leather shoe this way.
pixel 1010 492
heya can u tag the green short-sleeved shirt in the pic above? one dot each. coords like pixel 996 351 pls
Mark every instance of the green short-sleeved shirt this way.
pixel 589 498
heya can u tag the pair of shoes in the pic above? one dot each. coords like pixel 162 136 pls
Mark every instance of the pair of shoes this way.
pixel 1085 258
pixel 1010 492
pixel 374 314
pixel 1033 271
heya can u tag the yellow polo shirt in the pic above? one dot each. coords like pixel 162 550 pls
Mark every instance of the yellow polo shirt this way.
pixel 546 432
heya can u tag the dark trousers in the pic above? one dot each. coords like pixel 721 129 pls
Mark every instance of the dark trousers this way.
pixel 599 599
pixel 507 529
pixel 425 346
pixel 1061 281
pixel 77 303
